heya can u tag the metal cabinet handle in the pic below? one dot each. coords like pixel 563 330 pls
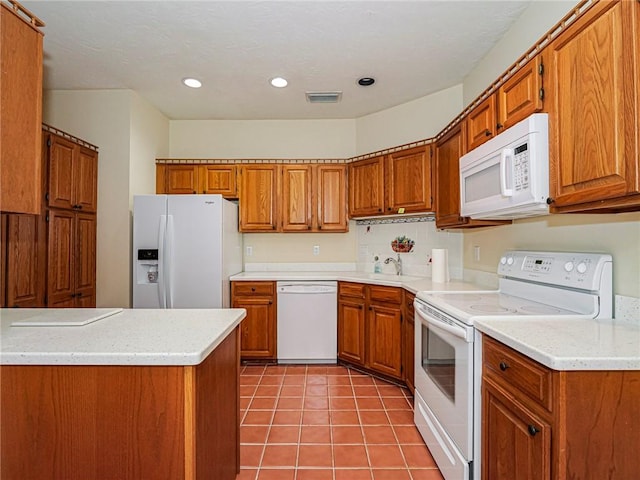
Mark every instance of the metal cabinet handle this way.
pixel 532 430
pixel 488 133
pixel 503 366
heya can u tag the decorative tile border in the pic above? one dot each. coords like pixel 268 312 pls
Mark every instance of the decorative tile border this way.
pixel 383 221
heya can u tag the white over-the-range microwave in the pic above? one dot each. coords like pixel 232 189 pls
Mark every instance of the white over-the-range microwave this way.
pixel 508 176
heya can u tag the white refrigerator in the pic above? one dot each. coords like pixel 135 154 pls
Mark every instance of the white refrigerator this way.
pixel 185 248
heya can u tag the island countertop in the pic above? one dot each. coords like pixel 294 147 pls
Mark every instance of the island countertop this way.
pixel 127 337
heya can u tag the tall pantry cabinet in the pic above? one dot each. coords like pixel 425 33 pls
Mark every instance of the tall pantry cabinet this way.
pixel 49 259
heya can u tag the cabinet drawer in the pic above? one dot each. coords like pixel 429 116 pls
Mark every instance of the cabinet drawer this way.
pixel 253 288
pixel 385 294
pixel 516 373
pixel 355 290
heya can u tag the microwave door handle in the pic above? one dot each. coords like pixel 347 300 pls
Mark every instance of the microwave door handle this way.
pixel 506 158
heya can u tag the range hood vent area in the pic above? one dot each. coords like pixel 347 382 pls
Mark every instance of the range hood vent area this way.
pixel 323 97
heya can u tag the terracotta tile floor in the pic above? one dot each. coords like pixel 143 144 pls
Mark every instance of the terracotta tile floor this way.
pixel 327 423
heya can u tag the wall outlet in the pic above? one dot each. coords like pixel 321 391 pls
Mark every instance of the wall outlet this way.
pixel 249 251
pixel 316 249
pixel 476 253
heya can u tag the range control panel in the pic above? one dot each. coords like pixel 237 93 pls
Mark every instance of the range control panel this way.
pixel 575 270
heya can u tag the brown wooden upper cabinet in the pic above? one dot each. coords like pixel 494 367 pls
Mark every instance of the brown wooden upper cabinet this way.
pixel 296 198
pixel 73 175
pixel 331 196
pixel 21 115
pixel 517 98
pixel 192 179
pixel 259 187
pixel 396 183
pixel 219 179
pixel 408 181
pixel 366 187
pixel 594 116
pixel 314 198
pixel 448 150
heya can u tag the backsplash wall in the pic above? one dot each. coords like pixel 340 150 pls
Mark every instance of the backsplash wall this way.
pixel 375 239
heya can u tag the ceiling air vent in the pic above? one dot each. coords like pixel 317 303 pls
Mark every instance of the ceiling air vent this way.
pixel 324 97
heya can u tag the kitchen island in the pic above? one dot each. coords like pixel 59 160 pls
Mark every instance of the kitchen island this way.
pixel 135 394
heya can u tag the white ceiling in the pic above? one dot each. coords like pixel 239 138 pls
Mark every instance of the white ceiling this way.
pixel 412 48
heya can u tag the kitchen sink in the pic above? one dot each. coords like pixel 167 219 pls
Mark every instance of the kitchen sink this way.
pixel 391 277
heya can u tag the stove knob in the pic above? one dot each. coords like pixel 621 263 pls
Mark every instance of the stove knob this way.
pixel 568 267
pixel 582 267
pixel 503 260
pixel 510 261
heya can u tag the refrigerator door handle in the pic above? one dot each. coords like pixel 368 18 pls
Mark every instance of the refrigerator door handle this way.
pixel 169 261
pixel 161 261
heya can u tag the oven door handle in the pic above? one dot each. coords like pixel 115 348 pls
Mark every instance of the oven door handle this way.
pixel 455 330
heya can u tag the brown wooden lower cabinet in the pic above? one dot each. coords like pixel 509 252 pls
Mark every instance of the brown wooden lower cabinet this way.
pixel 71 259
pixel 539 423
pixel 23 260
pixel 125 422
pixel 258 329
pixel 408 341
pixel 370 327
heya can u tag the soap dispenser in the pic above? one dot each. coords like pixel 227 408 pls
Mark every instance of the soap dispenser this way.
pixel 377 268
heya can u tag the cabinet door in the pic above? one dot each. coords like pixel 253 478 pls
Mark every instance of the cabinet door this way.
pixel 521 95
pixel 481 123
pixel 25 261
pixel 86 179
pixel 408 341
pixel 366 187
pixel 4 218
pixel 516 445
pixel 385 339
pixel 85 259
pixel 331 181
pixel 447 166
pixel 296 198
pixel 219 179
pixel 351 337
pixel 61 172
pixel 258 329
pixel 21 114
pixel 181 179
pixel 61 258
pixel 259 198
pixel 594 120
pixel 408 181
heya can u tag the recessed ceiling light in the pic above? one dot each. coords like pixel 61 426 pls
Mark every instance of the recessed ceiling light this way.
pixel 366 81
pixel 192 82
pixel 279 82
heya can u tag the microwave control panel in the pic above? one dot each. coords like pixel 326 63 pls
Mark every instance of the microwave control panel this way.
pixel 521 167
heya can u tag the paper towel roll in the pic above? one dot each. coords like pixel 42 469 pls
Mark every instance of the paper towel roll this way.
pixel 440 265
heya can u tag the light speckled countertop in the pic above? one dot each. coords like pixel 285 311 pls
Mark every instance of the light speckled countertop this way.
pixel 131 337
pixel 570 344
pixel 411 283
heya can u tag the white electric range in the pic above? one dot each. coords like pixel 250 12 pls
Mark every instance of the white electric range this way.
pixel 448 363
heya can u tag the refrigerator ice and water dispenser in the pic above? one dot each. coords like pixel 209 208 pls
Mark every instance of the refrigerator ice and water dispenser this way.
pixel 147 265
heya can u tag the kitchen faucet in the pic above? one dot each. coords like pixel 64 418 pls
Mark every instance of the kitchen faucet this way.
pixel 396 263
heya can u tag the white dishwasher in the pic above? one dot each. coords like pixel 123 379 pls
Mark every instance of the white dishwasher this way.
pixel 307 322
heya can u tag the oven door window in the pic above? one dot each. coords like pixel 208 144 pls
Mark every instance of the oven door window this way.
pixel 439 361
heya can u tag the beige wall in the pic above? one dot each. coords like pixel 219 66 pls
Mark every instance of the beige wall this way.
pixel 129 133
pixel 618 235
pixel 149 140
pixel 411 121
pixel 298 247
pixel 534 22
pixel 262 139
